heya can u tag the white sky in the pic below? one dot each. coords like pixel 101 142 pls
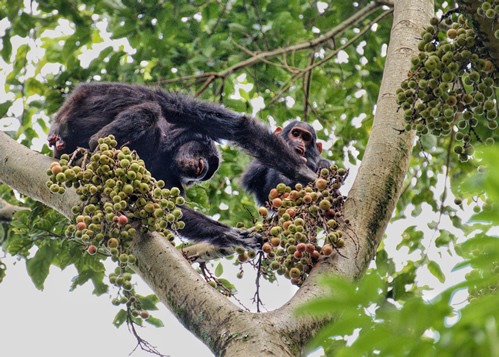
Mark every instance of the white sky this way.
pixel 59 323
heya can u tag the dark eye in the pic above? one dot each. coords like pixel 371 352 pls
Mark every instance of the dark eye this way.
pixel 295 133
pixel 306 137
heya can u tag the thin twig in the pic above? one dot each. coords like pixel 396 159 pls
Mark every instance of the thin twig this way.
pixel 307 82
pixel 256 297
pixel 255 54
pixel 444 196
pixel 143 344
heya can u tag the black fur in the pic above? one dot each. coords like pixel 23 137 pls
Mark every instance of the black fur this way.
pixel 259 178
pixel 174 134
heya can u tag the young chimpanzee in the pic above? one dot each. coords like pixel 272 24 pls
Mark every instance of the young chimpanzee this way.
pixel 261 177
pixel 174 135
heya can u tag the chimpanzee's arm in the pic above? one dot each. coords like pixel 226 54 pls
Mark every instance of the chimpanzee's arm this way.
pixel 259 180
pixel 222 124
pixel 323 163
pixel 134 125
pixel 200 228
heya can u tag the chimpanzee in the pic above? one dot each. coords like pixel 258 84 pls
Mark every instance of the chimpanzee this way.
pixel 174 134
pixel 261 177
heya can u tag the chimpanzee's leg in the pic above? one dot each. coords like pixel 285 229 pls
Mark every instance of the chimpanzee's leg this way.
pixel 200 228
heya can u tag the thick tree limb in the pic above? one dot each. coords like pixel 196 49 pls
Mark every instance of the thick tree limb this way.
pixel 378 184
pixel 7 210
pixel 25 171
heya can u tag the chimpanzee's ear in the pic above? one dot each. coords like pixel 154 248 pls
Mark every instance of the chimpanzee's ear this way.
pixel 319 147
pixel 277 130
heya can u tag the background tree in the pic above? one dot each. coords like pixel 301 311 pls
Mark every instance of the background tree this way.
pixel 321 62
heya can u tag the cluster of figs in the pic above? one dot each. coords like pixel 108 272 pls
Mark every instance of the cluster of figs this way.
pixel 301 224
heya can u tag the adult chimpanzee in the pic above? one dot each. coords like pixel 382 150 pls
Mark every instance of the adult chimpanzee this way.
pixel 261 177
pixel 174 135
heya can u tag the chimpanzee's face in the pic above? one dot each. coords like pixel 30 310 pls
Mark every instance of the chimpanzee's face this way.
pixel 196 161
pixel 300 140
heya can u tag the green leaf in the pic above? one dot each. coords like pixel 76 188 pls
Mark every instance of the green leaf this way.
pixel 7 46
pixel 154 321
pixel 236 104
pixel 120 318
pixel 444 238
pixel 434 268
pixel 411 238
pixel 228 285
pixel 33 86
pixel 219 270
pixel 319 307
pixel 69 254
pixel 371 288
pixel 81 279
pixel 4 107
pixel 124 31
pixel 338 328
pixel 148 302
pixel 432 225
pixel 39 266
pixel 399 284
pixel 236 27
pixel 244 94
pixel 100 287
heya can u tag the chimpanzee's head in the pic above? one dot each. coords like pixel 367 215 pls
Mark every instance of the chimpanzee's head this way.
pixel 196 160
pixel 301 137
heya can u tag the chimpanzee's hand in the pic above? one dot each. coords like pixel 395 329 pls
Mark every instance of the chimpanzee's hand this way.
pixel 304 174
pixel 244 238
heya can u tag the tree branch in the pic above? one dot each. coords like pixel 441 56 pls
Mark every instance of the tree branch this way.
pixel 387 153
pixel 262 56
pixel 7 210
pixel 25 171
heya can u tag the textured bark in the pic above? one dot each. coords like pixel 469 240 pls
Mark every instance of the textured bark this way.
pixel 7 210
pixel 26 171
pixel 377 186
pixel 222 326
